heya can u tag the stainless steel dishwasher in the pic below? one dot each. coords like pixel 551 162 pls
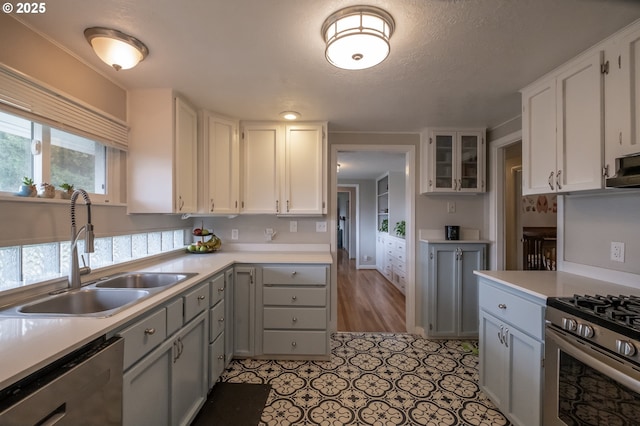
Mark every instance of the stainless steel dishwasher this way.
pixel 83 388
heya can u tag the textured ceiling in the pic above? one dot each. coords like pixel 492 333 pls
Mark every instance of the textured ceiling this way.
pixel 452 62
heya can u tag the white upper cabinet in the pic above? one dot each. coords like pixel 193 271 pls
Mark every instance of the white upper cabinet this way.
pixel 453 161
pixel 622 96
pixel 220 159
pixel 162 157
pixel 284 169
pixel 304 184
pixel 261 146
pixel 562 129
pixel 586 112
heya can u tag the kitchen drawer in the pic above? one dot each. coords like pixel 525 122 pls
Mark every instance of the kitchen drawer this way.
pixel 216 359
pixel 528 316
pixel 196 301
pixel 175 310
pixel 143 336
pixel 399 255
pixel 295 318
pixel 400 265
pixel 294 342
pixel 216 289
pixel 294 275
pixel 292 296
pixel 216 320
pixel 400 246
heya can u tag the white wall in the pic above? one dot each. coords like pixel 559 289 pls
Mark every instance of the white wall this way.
pixel 592 222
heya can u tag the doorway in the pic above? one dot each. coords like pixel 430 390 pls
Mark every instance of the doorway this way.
pixel 362 246
pixel 523 226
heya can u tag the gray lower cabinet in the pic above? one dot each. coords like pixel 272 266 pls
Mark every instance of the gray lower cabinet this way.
pixel 295 311
pixel 511 347
pixel 220 324
pixel 166 362
pixel 244 311
pixel 450 291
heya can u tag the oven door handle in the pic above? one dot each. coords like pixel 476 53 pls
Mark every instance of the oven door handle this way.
pixel 597 360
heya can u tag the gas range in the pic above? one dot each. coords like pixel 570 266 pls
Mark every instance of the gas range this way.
pixel 611 322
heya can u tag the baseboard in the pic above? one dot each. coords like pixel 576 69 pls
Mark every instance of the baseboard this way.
pixel 367 267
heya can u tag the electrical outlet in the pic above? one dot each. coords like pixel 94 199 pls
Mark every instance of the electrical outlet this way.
pixel 293 226
pixel 321 226
pixel 451 207
pixel 234 234
pixel 617 252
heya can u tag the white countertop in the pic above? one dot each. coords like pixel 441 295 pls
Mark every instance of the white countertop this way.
pixel 544 284
pixel 30 343
pixel 441 241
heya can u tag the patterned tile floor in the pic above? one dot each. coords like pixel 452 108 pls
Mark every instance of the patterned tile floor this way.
pixel 374 379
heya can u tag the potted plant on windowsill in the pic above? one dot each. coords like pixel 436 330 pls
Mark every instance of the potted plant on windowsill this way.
pixel 66 191
pixel 28 188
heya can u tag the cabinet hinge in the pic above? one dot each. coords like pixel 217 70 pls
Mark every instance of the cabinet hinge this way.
pixel 243 135
pixel 431 255
pixel 619 62
pixel 605 171
pixel 430 327
pixel 604 68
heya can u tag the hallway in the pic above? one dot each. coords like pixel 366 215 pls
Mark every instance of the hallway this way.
pixel 367 301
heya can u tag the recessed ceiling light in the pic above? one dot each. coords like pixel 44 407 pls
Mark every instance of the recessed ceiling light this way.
pixel 290 115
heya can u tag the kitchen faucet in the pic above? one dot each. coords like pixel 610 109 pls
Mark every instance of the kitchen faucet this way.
pixel 76 271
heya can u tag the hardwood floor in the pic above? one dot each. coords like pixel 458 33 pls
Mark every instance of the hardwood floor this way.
pixel 367 301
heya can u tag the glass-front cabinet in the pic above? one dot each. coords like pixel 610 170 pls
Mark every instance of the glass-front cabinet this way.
pixel 453 161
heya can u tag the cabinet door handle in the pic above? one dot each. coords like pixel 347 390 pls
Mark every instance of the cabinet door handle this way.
pixel 277 206
pixel 294 298
pixel 212 205
pixel 459 184
pixel 558 180
pixel 294 319
pixel 455 185
pixel 500 338
pixel 287 206
pixel 294 344
pixel 180 203
pixel 149 331
pixel 502 306
pixel 200 299
pixel 506 337
pixel 175 351
pixel 551 180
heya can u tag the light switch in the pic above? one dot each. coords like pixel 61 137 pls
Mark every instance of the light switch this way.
pixel 321 226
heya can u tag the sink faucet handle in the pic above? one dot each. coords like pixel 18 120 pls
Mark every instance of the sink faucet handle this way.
pixel 85 270
pixel 88 239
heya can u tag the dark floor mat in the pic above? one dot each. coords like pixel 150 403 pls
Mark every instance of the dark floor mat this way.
pixel 233 404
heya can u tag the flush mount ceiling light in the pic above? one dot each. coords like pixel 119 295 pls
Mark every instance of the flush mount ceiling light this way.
pixel 357 37
pixel 290 115
pixel 117 49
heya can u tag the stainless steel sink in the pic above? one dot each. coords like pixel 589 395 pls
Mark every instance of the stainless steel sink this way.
pixel 142 280
pixel 85 302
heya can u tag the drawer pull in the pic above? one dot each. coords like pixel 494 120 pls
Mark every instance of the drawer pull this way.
pixel 220 356
pixel 293 273
pixel 294 319
pixel 294 344
pixel 502 306
pixel 221 289
pixel 294 298
pixel 150 331
pixel 221 319
pixel 200 298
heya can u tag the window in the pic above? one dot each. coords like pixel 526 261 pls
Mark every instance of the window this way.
pixel 50 155
pixel 30 264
